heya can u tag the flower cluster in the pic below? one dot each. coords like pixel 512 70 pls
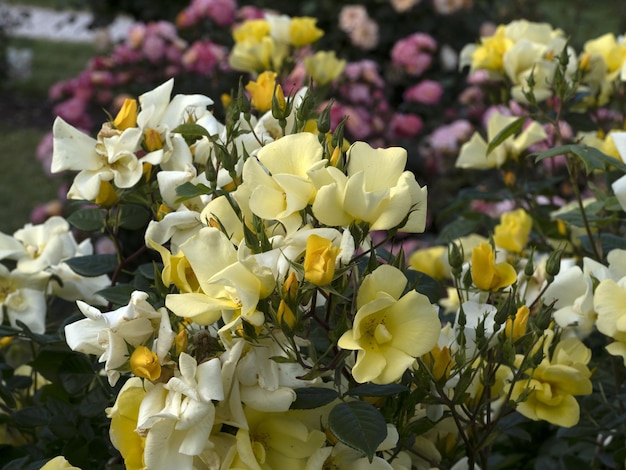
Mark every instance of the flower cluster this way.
pixel 257 308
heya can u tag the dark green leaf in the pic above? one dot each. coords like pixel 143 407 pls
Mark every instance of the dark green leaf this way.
pixel 93 265
pixel 457 229
pixel 374 390
pixel 31 416
pixel 117 295
pixel 88 220
pixel 134 216
pixel 190 190
pixel 76 373
pixel 505 133
pixel 591 157
pixel 358 425
pixel 313 397
pixel 192 132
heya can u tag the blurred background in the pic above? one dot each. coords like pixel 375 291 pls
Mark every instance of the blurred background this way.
pixel 76 58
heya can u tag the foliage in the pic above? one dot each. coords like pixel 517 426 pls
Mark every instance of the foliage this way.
pixel 256 298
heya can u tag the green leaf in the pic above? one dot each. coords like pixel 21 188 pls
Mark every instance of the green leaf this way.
pixel 93 265
pixel 117 295
pixel 313 397
pixel 134 216
pixel 591 157
pixel 31 416
pixel 505 133
pixel 192 132
pixel 76 373
pixel 87 220
pixel 374 390
pixel 189 190
pixel 457 229
pixel 358 425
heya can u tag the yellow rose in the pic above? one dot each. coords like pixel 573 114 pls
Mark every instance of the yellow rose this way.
pixel 517 328
pixel 252 30
pixel 58 463
pixel 488 55
pixel 486 274
pixel 389 330
pixel 145 363
pixel 554 383
pixel 513 231
pixel 319 260
pixel 124 415
pixel 262 91
pixel 302 31
pixel 107 196
pixel 431 261
pixel 127 116
pixel 324 67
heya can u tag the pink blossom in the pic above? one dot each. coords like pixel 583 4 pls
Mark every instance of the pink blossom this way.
pixel 351 17
pixel 153 48
pixel 413 54
pixel 448 138
pixel 425 92
pixel 43 212
pixel 203 57
pixel 250 12
pixel 404 126
pixel 44 152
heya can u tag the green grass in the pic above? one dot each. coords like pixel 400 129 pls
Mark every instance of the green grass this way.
pixel 25 182
pixel 53 4
pixel 52 61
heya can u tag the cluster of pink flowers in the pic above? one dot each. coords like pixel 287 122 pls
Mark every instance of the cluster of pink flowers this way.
pixel 359 26
pixel 414 54
pixel 221 12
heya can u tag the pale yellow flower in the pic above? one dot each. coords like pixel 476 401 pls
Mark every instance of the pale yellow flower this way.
pixel 59 463
pixel 474 153
pixel 486 273
pixel 554 384
pixel 389 330
pixel 324 66
pixel 276 184
pixel 608 302
pixel 513 230
pixel 302 31
pixel 123 416
pixel 431 261
pixel 376 190
pixel 252 30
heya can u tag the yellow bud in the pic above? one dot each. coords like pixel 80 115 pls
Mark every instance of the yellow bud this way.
pixel 226 99
pixel 181 341
pixel 302 31
pixel 509 178
pixel 145 363
pixel 290 287
pixel 583 64
pixel 285 315
pixel 516 329
pixel 336 155
pixel 163 211
pixel 319 260
pixel 486 274
pixel 127 116
pixel 6 341
pixel 439 361
pixel 262 92
pixel 152 140
pixel 107 196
